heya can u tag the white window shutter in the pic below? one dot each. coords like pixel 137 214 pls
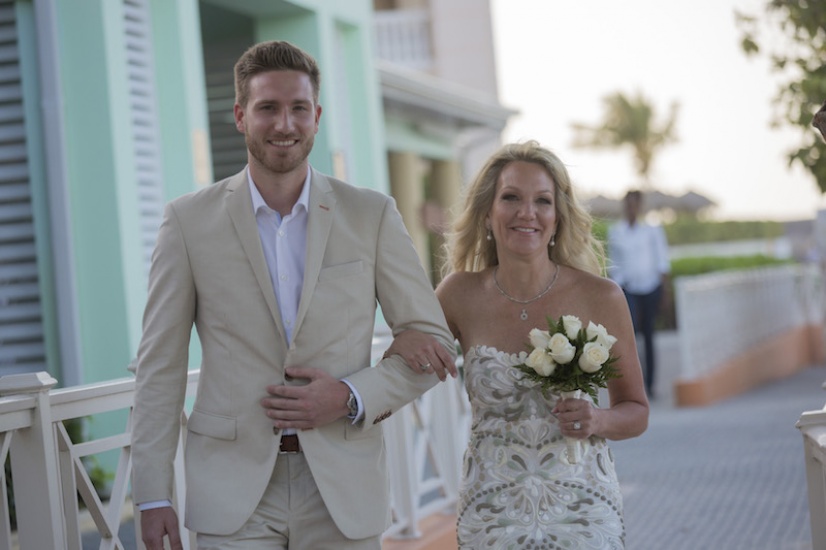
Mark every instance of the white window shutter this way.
pixel 145 131
pixel 21 327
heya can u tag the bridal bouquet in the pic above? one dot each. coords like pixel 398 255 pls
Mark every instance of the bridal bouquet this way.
pixel 570 359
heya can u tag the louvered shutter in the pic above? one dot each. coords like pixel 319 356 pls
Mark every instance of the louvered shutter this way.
pixel 144 111
pixel 21 327
pixel 229 150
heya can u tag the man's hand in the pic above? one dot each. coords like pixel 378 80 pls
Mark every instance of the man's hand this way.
pixel 158 523
pixel 319 402
pixel 423 354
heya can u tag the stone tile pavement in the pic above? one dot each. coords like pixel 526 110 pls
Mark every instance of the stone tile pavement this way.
pixel 727 476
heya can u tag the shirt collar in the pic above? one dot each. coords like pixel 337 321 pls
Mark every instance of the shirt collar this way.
pixel 258 200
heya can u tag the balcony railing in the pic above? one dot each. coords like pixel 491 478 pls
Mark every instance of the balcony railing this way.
pixel 425 441
pixel 403 37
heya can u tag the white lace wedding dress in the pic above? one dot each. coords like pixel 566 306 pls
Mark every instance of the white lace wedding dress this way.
pixel 518 490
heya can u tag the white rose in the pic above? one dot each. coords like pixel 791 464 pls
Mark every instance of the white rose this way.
pixel 593 356
pixel 541 362
pixel 561 349
pixel 601 334
pixel 572 325
pixel 539 338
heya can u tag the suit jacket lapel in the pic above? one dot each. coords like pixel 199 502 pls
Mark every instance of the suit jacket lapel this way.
pixel 239 208
pixel 322 206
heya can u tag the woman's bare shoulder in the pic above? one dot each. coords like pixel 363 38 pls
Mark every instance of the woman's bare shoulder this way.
pixel 459 287
pixel 461 280
pixel 593 290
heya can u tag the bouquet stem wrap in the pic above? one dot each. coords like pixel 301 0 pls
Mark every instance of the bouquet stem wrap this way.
pixel 574 445
pixel 571 360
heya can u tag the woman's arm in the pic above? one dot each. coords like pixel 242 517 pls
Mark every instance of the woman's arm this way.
pixel 627 414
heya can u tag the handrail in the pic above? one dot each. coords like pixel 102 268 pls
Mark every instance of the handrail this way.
pixel 47 467
pixel 812 425
pixel 48 473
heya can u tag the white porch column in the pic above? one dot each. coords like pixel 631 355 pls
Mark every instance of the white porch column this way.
pixel 445 190
pixel 34 465
pixel 407 187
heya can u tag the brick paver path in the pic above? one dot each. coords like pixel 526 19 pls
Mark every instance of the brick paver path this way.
pixel 727 476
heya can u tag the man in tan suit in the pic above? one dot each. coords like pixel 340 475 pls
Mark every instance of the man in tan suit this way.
pixel 280 269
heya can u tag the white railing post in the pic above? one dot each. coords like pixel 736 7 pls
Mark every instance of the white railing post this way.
pixel 402 471
pixel 447 438
pixel 35 471
pixel 812 425
pixel 424 444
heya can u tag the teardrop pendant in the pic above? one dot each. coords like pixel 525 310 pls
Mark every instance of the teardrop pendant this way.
pixel 523 315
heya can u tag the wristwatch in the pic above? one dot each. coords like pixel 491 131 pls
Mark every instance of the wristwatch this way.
pixel 352 405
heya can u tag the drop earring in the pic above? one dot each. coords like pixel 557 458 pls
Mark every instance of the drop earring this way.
pixel 489 236
pixel 553 241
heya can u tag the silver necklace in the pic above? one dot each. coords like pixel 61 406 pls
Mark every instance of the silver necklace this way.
pixel 524 314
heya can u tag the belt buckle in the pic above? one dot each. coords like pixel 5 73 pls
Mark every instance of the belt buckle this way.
pixel 293 451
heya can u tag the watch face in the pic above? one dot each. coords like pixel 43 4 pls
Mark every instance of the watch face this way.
pixel 352 404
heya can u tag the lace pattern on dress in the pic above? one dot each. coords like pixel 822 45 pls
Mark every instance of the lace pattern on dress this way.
pixel 516 491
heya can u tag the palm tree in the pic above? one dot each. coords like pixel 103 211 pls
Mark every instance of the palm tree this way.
pixel 629 122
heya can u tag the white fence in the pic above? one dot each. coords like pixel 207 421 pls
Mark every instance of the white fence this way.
pixel 812 425
pixel 720 315
pixel 424 443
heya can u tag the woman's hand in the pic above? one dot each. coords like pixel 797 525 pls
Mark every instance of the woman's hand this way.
pixel 576 418
pixel 423 354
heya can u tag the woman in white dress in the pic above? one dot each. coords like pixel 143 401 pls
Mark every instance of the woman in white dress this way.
pixel 522 251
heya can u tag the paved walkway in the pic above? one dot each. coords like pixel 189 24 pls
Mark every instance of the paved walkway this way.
pixel 728 476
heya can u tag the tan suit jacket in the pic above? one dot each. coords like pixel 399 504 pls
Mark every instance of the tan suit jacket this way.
pixel 209 269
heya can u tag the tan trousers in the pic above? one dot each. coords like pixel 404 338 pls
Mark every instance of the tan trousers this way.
pixel 290 516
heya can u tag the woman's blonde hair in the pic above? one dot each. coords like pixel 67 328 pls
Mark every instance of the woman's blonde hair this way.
pixel 467 246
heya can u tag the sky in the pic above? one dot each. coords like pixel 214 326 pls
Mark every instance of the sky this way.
pixel 556 61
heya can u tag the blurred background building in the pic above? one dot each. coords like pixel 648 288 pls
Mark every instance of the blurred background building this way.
pixel 441 109
pixel 110 108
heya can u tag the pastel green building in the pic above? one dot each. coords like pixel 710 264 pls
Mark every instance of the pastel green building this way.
pixel 113 107
pixel 110 108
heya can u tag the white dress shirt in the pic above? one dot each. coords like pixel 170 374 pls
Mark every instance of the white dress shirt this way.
pixel 638 256
pixel 284 242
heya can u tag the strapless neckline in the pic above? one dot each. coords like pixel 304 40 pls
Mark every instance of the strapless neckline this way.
pixel 481 350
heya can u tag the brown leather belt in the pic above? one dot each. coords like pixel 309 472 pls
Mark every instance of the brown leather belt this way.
pixel 290 444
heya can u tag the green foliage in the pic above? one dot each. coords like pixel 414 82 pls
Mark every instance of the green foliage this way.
pixel 798 60
pixel 689 230
pixel 599 230
pixel 629 121
pixel 708 264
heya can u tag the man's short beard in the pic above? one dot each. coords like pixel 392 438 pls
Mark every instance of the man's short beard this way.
pixel 281 165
